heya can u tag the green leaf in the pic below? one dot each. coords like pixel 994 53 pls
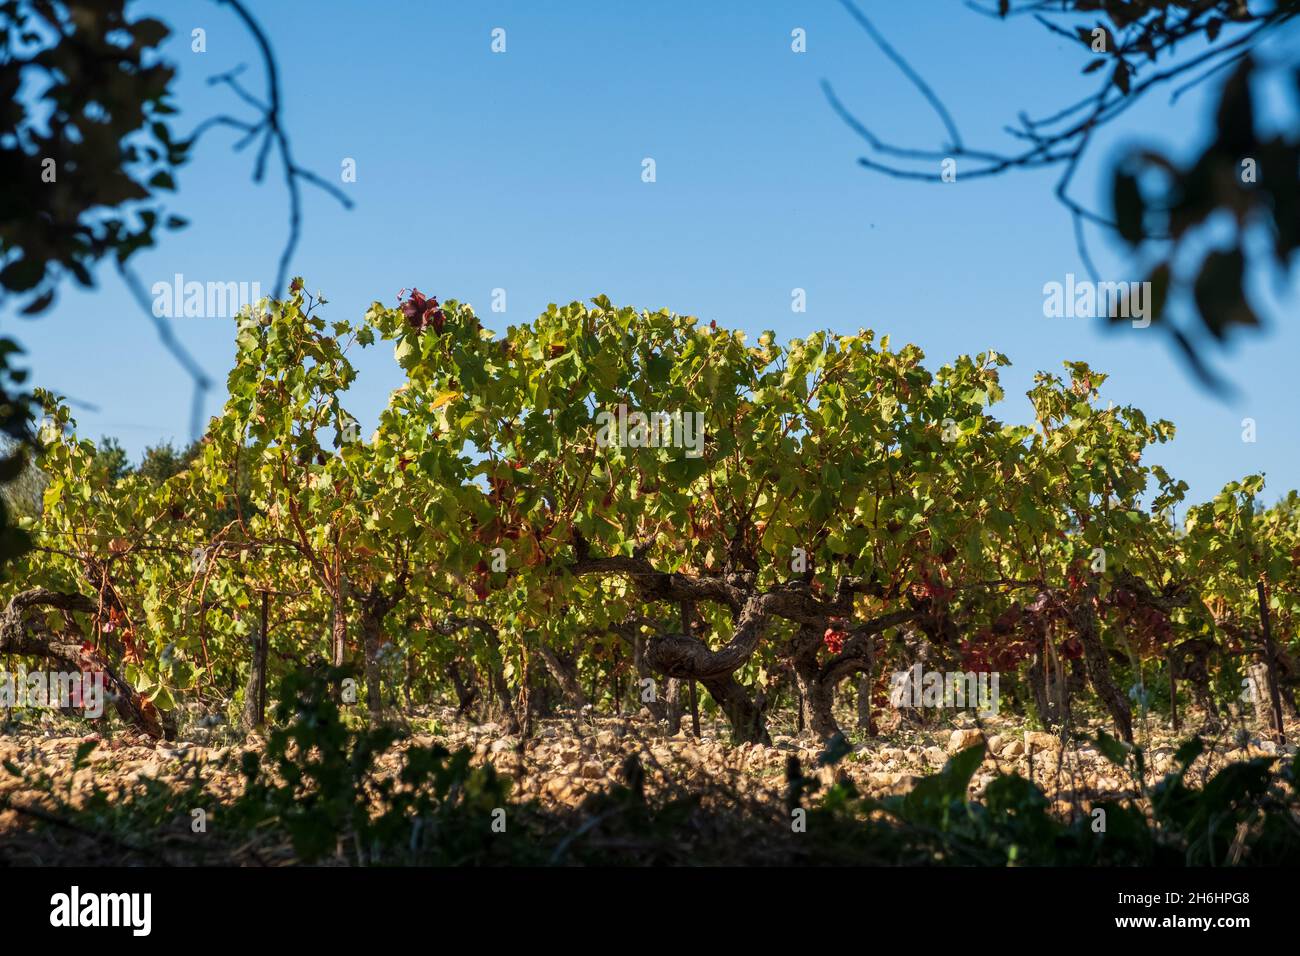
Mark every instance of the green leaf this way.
pixel 1188 752
pixel 405 353
pixel 149 31
pixel 961 767
pixel 932 800
pixel 1220 292
pixel 22 274
pixel 837 748
pixel 1112 749
pixel 1129 209
pixel 84 750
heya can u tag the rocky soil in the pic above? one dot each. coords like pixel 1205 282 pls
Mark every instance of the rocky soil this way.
pixel 561 766
pixel 571 758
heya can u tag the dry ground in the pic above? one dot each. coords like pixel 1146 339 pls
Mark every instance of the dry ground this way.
pixel 571 758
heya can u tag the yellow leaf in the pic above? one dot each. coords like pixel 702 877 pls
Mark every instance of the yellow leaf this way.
pixel 443 398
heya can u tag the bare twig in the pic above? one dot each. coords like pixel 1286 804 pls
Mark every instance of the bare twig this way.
pixel 269 126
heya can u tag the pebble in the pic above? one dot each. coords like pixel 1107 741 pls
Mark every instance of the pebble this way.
pixel 962 739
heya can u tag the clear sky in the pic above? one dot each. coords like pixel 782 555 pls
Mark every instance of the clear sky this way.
pixel 522 171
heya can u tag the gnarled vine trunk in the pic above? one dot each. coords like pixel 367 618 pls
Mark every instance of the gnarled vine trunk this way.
pixel 1047 680
pixel 466 690
pixel 1084 619
pixel 565 672
pixel 375 607
pixel 817 697
pixel 1189 661
pixel 744 714
pixel 864 688
pixel 673 710
pixel 684 656
pixel 494 667
pixel 30 637
pixel 505 700
pixel 652 702
pixel 255 689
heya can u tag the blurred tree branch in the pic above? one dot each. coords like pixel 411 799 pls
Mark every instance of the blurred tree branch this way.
pixel 1158 205
pixel 87 145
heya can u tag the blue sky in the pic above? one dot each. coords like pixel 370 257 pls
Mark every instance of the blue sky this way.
pixel 522 171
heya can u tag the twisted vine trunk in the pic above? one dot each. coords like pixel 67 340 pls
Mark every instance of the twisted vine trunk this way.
pixel 817 696
pixel 1189 662
pixel 565 672
pixel 375 607
pixel 255 689
pixel 505 699
pixel 494 667
pixel 1047 680
pixel 1261 693
pixel 817 681
pixel 673 711
pixel 30 637
pixel 1271 666
pixel 864 688
pixel 686 657
pixel 466 690
pixel 744 714
pixel 1084 619
pixel 658 708
pixel 818 703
